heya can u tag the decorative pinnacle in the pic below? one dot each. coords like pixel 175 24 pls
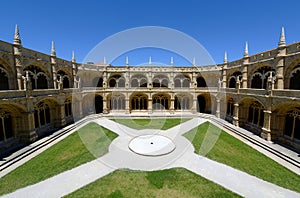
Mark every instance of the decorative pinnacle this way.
pixel 225 57
pixel 246 53
pixel 104 60
pixel 172 61
pixel 17 38
pixel 194 61
pixel 150 61
pixel 73 57
pixel 282 42
pixel 53 53
pixel 127 61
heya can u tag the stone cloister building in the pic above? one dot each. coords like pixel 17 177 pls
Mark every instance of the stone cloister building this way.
pixel 41 93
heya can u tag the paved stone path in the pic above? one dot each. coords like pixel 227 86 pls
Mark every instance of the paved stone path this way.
pixel 119 156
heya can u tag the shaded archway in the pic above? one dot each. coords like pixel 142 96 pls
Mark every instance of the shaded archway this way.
pixel 139 101
pixel 260 77
pixel 116 102
pixel 38 77
pixel 295 79
pixel 4 83
pixel 201 82
pixel 98 104
pixel 161 102
pixel 233 79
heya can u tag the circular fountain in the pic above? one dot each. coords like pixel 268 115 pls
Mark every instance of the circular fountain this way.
pixel 151 145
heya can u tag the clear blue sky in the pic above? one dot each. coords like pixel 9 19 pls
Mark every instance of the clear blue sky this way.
pixel 218 25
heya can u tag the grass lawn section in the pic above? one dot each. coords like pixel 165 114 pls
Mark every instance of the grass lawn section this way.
pixel 66 154
pixel 176 182
pixel 233 152
pixel 156 123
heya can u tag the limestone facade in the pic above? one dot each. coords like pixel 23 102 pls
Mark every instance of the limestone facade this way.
pixel 41 93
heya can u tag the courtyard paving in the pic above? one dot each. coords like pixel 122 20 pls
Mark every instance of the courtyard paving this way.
pixel 120 156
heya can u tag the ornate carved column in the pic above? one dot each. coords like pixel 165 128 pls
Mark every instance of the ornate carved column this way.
pixel 236 114
pixel 218 108
pixel 266 130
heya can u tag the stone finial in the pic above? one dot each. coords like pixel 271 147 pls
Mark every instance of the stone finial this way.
pixel 172 62
pixel 53 53
pixel 73 57
pixel 17 38
pixel 246 52
pixel 194 61
pixel 225 57
pixel 104 60
pixel 150 61
pixel 127 61
pixel 282 42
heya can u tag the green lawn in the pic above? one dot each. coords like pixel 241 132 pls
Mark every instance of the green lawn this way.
pixel 155 123
pixel 65 155
pixel 176 182
pixel 228 150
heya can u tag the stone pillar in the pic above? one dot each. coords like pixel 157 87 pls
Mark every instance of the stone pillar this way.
pixel 127 108
pixel 218 108
pixel 266 130
pixel 105 109
pixel 80 112
pixel 28 133
pixel 224 76
pixel 245 76
pixel 236 114
pixel 150 110
pixel 280 68
pixel 172 104
pixel 62 115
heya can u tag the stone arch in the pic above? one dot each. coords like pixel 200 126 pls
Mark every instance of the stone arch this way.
pixel 98 82
pixel 201 81
pixel 182 102
pixel 251 114
pixel 206 103
pixel 116 101
pixel 47 116
pixel 233 79
pixel 10 120
pixel 65 78
pixel 182 81
pixel 4 79
pixel 161 101
pixel 294 78
pixel 138 80
pixel 98 101
pixel 88 104
pixel 160 81
pixel 259 77
pixel 38 76
pixel 116 81
pixel 138 101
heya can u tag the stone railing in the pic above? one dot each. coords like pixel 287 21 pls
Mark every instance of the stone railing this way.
pixel 9 94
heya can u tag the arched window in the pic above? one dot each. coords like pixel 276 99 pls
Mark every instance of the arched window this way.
pixel 256 114
pixel 68 108
pixel 160 81
pixel 295 79
pixel 38 77
pixel 233 78
pixel 41 115
pixel 6 129
pixel 98 82
pixel 292 124
pixel 160 102
pixel 65 78
pixel 139 102
pixel 4 85
pixel 201 82
pixel 260 77
pixel 117 102
pixel 181 81
pixel 116 81
pixel 230 107
pixel 143 82
pixel 182 103
pixel 134 83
